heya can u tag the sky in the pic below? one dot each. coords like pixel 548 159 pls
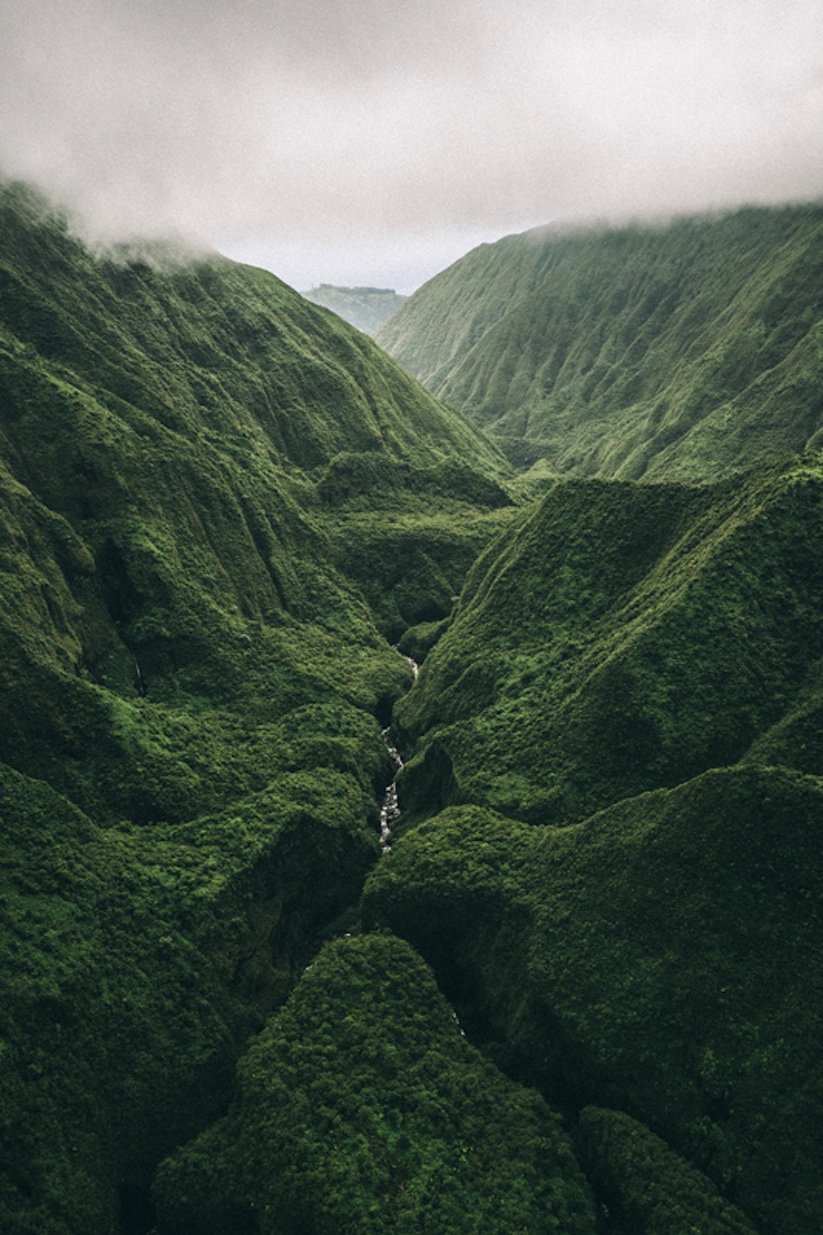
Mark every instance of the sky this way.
pixel 374 142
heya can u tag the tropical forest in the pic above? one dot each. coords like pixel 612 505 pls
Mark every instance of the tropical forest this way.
pixel 411 748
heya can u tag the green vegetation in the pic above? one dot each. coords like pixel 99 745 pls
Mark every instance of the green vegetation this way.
pixel 622 637
pixel 651 1190
pixel 193 684
pixel 135 963
pixel 659 958
pixel 686 351
pixel 220 507
pixel 367 308
pixel 362 1109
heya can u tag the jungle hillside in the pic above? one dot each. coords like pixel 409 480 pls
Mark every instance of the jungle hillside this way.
pixel 254 574
pixel 673 351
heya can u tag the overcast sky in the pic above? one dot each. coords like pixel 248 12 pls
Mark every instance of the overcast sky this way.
pixel 376 141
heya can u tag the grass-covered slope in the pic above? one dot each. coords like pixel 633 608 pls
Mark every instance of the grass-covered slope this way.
pixel 367 308
pixel 193 682
pixel 688 350
pixel 623 637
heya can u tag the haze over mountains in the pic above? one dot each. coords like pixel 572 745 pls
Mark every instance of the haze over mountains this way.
pixel 367 308
pixel 579 993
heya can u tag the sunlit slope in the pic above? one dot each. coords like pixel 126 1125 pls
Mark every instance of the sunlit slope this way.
pixel 624 637
pixel 680 351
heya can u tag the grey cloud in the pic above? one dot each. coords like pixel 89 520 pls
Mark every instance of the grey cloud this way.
pixel 360 131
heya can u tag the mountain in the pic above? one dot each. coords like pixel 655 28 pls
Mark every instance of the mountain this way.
pixel 678 351
pixel 575 990
pixel 619 638
pixel 193 682
pixel 614 762
pixel 367 308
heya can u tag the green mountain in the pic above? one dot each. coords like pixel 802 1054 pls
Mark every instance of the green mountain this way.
pixel 193 682
pixel 620 638
pixel 683 351
pixel 367 308
pixel 616 749
pixel 579 993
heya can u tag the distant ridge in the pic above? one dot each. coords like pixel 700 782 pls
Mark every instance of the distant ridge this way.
pixel 367 308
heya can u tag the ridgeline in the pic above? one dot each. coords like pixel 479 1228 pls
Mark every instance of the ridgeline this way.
pixel 579 995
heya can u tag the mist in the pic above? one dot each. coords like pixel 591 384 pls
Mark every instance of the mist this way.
pixel 358 142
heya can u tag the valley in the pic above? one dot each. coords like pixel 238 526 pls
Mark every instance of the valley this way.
pixel 562 980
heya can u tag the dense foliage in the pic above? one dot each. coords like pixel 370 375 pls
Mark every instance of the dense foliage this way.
pixel 659 958
pixel 685 350
pixel 621 637
pixel 220 506
pixel 651 1190
pixel 192 683
pixel 367 308
pixel 363 1109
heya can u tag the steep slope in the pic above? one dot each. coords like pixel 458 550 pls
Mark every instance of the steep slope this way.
pixel 363 1109
pixel 191 761
pixel 218 506
pixel 159 528
pixel 367 308
pixel 623 637
pixel 680 351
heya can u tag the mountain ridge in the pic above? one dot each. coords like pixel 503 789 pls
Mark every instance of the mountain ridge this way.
pixel 683 350
pixel 367 308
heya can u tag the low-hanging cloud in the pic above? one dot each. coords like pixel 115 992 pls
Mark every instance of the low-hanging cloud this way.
pixel 356 140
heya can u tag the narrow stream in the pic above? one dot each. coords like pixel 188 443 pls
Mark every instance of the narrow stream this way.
pixel 390 811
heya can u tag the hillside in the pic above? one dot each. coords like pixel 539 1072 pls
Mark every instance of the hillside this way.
pixel 367 308
pixel 191 764
pixel 686 350
pixel 615 752
pixel 620 638
pixel 578 993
